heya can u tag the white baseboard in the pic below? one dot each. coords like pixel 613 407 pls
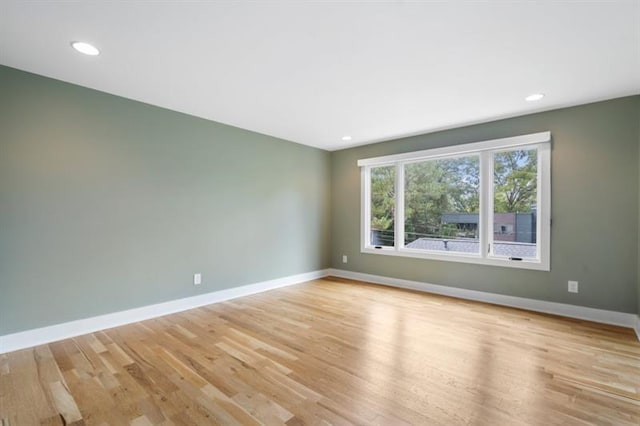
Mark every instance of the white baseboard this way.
pixel 40 336
pixel 572 311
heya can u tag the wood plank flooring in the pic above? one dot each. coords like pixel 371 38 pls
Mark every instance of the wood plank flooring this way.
pixel 332 351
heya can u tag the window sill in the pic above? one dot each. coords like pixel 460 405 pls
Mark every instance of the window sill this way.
pixel 459 257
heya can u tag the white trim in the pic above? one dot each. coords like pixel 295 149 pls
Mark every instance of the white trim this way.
pixel 399 207
pixel 40 336
pixel 485 213
pixel 510 142
pixel 365 207
pixel 572 311
pixel 457 257
pixel 544 205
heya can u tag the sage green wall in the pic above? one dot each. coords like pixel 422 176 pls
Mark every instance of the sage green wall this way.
pixel 594 209
pixel 108 204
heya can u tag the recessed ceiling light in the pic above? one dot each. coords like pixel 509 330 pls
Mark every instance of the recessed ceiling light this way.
pixel 85 48
pixel 346 138
pixel 534 97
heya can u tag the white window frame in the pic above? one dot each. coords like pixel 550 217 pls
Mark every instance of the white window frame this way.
pixel 485 149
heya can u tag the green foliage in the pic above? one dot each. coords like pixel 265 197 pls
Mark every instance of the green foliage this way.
pixel 436 187
pixel 515 181
pixel 433 188
pixel 449 230
pixel 383 195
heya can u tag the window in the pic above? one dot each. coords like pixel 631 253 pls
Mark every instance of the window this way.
pixel 435 192
pixel 383 200
pixel 485 202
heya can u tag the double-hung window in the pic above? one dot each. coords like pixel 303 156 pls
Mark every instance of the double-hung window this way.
pixel 485 202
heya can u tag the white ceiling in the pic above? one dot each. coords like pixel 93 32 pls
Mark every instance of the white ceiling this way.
pixel 312 72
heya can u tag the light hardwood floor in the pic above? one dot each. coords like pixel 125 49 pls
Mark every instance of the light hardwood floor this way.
pixel 332 351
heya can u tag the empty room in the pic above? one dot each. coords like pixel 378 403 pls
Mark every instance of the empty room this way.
pixel 319 213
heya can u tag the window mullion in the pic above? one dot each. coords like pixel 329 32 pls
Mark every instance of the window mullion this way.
pixel 398 220
pixel 366 207
pixel 485 224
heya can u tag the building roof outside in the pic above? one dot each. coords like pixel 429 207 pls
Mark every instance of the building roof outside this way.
pixel 500 248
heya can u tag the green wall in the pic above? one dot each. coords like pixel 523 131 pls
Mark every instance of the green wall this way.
pixel 108 204
pixel 595 191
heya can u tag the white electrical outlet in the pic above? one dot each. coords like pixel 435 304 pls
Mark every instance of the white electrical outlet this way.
pixel 344 258
pixel 197 279
pixel 572 287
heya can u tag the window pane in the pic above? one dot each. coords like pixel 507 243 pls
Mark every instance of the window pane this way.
pixel 515 191
pixel 383 203
pixel 442 203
